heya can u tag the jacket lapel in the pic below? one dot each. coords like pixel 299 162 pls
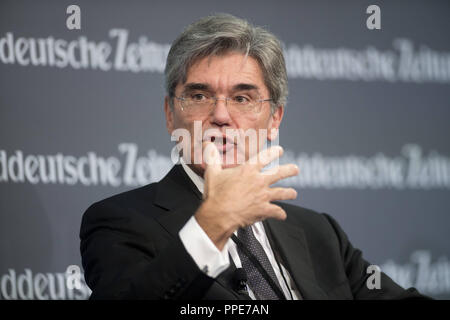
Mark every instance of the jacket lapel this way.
pixel 180 197
pixel 290 242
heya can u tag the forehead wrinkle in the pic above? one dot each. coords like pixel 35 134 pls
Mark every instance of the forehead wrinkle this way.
pixel 218 83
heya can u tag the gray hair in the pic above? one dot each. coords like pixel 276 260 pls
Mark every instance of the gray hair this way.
pixel 222 33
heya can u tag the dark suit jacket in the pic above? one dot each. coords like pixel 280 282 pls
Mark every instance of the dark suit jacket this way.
pixel 130 249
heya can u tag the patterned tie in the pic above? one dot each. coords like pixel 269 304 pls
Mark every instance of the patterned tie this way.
pixel 259 285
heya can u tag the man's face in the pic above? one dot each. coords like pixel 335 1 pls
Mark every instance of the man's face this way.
pixel 228 75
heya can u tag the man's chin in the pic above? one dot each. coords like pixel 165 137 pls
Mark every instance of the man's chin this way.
pixel 200 168
pixel 224 165
pixel 232 159
pixel 229 165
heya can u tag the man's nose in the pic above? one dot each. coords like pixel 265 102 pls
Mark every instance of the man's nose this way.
pixel 220 114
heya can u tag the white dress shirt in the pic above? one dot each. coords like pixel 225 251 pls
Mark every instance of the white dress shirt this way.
pixel 213 262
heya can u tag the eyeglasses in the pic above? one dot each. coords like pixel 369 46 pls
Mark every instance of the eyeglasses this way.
pixel 203 102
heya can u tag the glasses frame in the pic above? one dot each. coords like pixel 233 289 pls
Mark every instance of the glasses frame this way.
pixel 217 99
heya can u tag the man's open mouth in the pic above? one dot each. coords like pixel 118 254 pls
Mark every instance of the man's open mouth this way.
pixel 223 143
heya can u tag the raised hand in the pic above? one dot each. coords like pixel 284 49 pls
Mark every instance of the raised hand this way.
pixel 240 196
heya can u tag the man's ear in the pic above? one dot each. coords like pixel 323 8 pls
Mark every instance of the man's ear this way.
pixel 169 114
pixel 275 122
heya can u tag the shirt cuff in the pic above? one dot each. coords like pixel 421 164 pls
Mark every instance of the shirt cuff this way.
pixel 204 252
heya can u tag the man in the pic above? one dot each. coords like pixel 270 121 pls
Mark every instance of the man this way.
pixel 212 228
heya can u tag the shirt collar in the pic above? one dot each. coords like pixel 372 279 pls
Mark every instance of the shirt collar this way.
pixel 196 179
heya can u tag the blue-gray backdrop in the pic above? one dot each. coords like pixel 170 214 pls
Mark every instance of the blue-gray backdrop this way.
pixel 367 121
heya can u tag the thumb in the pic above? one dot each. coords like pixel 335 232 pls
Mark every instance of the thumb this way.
pixel 211 157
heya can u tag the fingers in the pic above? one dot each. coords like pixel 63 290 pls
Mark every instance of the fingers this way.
pixel 276 212
pixel 269 211
pixel 282 194
pixel 280 172
pixel 266 156
pixel 211 157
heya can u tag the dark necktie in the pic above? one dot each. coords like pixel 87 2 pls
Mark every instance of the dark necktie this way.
pixel 257 282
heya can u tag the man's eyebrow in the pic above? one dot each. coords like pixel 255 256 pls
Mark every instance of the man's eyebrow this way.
pixel 244 86
pixel 191 86
pixel 197 86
